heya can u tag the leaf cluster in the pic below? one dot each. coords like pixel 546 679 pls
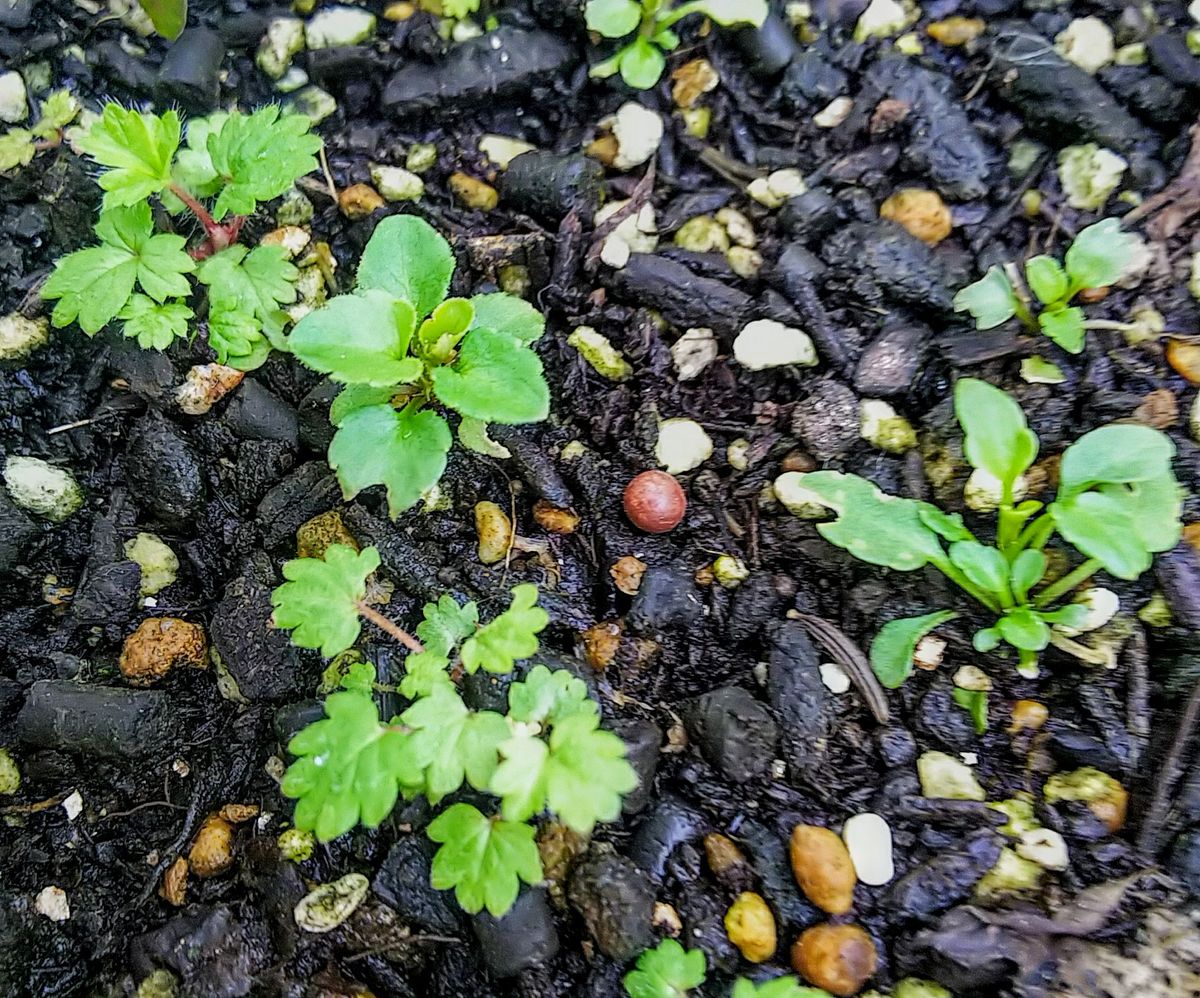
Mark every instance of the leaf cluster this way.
pixel 139 276
pixel 547 754
pixel 18 146
pixel 1096 259
pixel 642 60
pixel 670 971
pixel 1118 504
pixel 398 344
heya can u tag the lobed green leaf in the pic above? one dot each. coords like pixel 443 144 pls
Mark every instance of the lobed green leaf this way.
pixel 497 646
pixel 990 300
pixel 319 602
pixel 549 697
pixel 454 742
pixel 1065 327
pixel 667 971
pixel 154 325
pixel 137 147
pixel 483 859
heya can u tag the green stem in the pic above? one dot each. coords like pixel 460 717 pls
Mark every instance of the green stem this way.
pixel 1027 663
pixel 695 7
pixel 949 570
pixel 1036 533
pixel 1068 582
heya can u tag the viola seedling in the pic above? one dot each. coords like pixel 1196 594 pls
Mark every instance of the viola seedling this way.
pixel 1096 259
pixel 641 61
pixel 141 276
pixel 399 344
pixel 548 754
pixel 1118 504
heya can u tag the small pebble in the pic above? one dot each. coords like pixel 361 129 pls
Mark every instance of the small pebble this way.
pixel 212 848
pixel 868 839
pixel 605 359
pixel 359 201
pixel 1045 847
pixel 52 903
pixel 766 343
pixel 503 149
pixel 682 445
pixel 494 530
pixel 554 519
pixel 10 774
pixel 751 927
pixel 331 904
pixel 627 572
pixel 158 645
pixel 472 192
pixel 973 678
pixel 158 563
pixel 20 336
pixel 693 352
pixel 692 80
pixel 395 183
pixel 834 113
pixel 957 30
pixel 1028 715
pixel 835 678
pixel 41 488
pixel 823 868
pixel 654 502
pixel 922 213
pixel 1087 42
pixel 73 805
pixel 883 427
pixel 942 776
pixel 838 958
pixel 638 131
pixel 1184 358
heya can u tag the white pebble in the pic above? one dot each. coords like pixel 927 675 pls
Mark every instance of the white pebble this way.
pixel 19 336
pixel 766 343
pixel 1045 847
pixel 973 678
pixel 834 677
pixel 334 27
pixel 944 777
pixel 41 488
pixel 834 113
pixel 1102 605
pixel 52 903
pixel 929 652
pixel 984 491
pixel 14 101
pixel 682 445
pixel 881 19
pixel 395 183
pixel 639 133
pixel 1089 174
pixel 1087 42
pixel 868 839
pixel 73 805
pixel 693 352
pixel 503 149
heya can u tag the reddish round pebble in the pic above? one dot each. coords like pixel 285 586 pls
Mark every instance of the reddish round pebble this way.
pixel 654 502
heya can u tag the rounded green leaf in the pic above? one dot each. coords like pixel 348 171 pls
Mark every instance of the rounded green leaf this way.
pixel 990 300
pixel 996 436
pixel 361 339
pixel 1026 571
pixel 642 64
pixel 893 648
pixel 1023 628
pixel 1046 279
pixel 404 451
pixel 1100 254
pixel 1065 327
pixel 407 258
pixel 612 18
pixel 1123 452
pixel 983 565
pixel 494 379
pixel 504 313
pixel 1101 527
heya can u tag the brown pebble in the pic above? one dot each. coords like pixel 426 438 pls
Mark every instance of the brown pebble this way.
pixel 627 572
pixel 1111 809
pixel 923 213
pixel 823 868
pixel 838 958
pixel 554 519
pixel 212 848
pixel 236 814
pixel 1159 410
pixel 1184 357
pixel 316 536
pixel 888 114
pixel 1089 296
pixel 159 644
pixel 654 502
pixel 359 201
pixel 954 31
pixel 600 644
pixel 727 862
pixel 751 927
pixel 798 460
pixel 472 192
pixel 173 889
pixel 1028 715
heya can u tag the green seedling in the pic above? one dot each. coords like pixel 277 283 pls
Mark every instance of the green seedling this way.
pixel 142 277
pixel 670 971
pixel 18 146
pixel 1096 259
pixel 399 344
pixel 169 17
pixel 1118 504
pixel 641 61
pixel 548 754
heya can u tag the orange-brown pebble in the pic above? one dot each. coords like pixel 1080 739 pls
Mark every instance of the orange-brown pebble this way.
pixel 627 572
pixel 472 192
pixel 1089 296
pixel 315 536
pixel 923 213
pixel 654 502
pixel 1028 715
pixel 603 149
pixel 1184 357
pixel 726 861
pixel 158 644
pixel 174 883
pixel 838 958
pixel 691 80
pixel 554 519
pixel 235 814
pixel 212 848
pixel 953 31
pixel 600 643
pixel 751 927
pixel 823 868
pixel 1191 534
pixel 359 200
pixel 798 460
pixel 1111 808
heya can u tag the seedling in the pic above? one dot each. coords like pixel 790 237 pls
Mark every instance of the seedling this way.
pixel 548 754
pixel 142 277
pixel 1117 504
pixel 641 61
pixel 670 971
pixel 169 17
pixel 398 344
pixel 18 146
pixel 1096 259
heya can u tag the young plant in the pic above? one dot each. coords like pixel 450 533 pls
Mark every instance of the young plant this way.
pixel 1096 259
pixel 642 60
pixel 548 754
pixel 140 276
pixel 670 971
pixel 399 344
pixel 169 17
pixel 1117 504
pixel 18 146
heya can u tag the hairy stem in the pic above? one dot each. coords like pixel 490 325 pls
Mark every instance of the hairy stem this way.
pixel 196 208
pixel 1068 582
pixel 390 628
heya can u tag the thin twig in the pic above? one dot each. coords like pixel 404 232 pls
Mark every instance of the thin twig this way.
pixel 1155 814
pixel 846 653
pixel 333 191
pixel 391 628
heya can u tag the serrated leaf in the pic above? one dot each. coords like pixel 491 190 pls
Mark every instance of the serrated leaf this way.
pixel 404 451
pixel 358 678
pixel 232 333
pixel 154 325
pixel 354 397
pixel 1046 279
pixel 169 17
pixel 996 437
pixel 255 281
pixel 259 156
pixel 777 987
pixel 94 284
pixel 350 768
pixel 498 646
pixel 494 379
pixel 508 314
pixel 975 703
pixel 193 168
pixel 57 111
pixel 520 778
pixel 894 646
pixel 1100 254
pixel 456 742
pixel 16 149
pixel 586 773
pixel 447 624
pixel 642 64
pixel 360 338
pixel 550 697
pixel 874 527
pixel 612 18
pixel 667 971
pixel 319 602
pixel 484 860
pixel 407 258
pixel 424 672
pixel 473 434
pixel 1065 327
pixel 990 300
pixel 137 147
